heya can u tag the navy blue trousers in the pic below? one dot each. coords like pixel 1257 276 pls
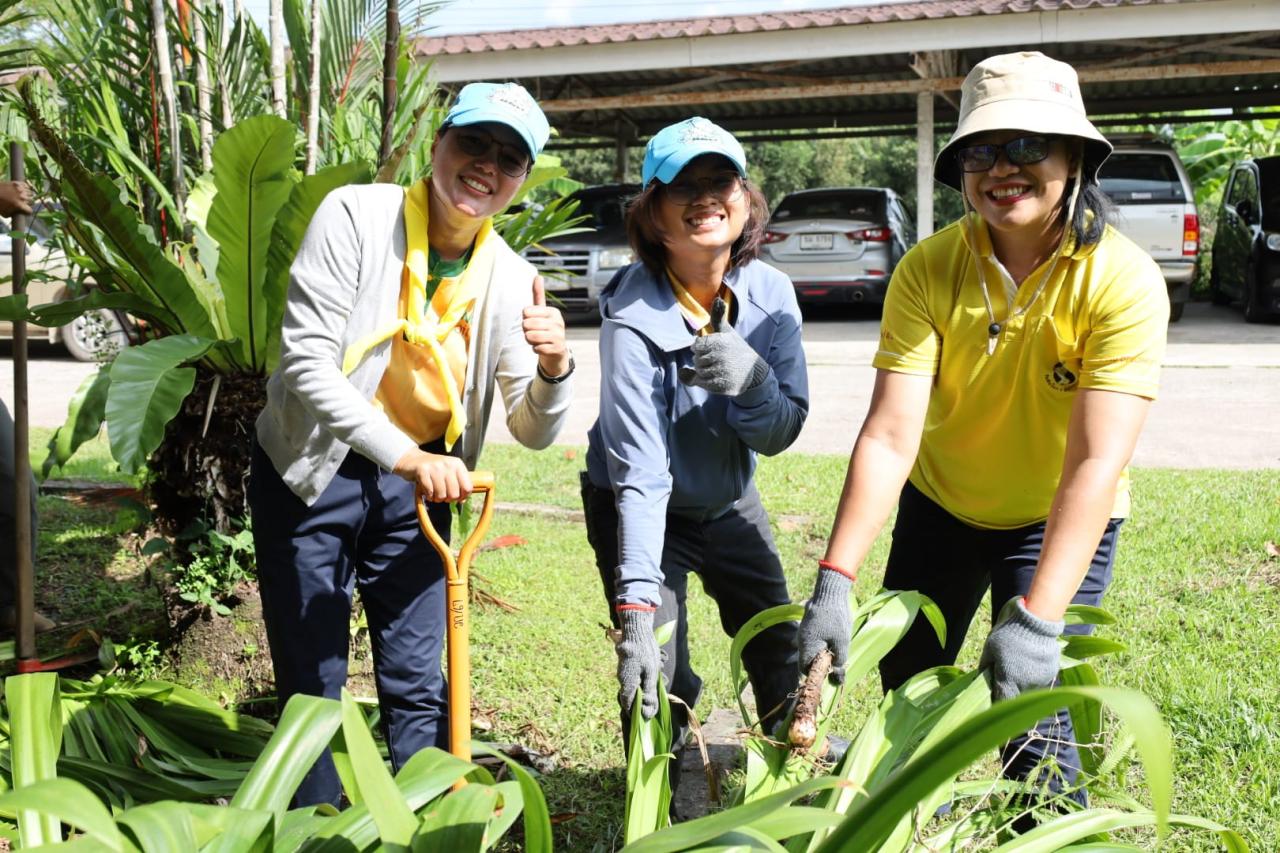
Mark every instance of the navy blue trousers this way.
pixel 738 562
pixel 362 531
pixel 954 564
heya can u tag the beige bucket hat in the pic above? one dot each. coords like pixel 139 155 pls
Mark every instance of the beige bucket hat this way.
pixel 1021 91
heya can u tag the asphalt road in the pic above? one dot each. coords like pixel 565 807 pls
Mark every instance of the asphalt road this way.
pixel 1219 404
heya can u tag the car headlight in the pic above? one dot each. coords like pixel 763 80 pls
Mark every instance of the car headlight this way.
pixel 1273 242
pixel 613 258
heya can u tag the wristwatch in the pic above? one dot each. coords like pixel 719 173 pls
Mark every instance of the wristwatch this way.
pixel 555 380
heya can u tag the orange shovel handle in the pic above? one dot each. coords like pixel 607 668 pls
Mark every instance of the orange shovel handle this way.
pixel 456 612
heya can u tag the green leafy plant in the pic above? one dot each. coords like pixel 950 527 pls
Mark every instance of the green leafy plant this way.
pixel 206 565
pixel 412 810
pixel 902 767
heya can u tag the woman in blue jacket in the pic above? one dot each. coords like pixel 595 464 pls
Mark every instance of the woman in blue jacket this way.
pixel 701 369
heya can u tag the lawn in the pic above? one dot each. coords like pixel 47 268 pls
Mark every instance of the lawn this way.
pixel 1195 594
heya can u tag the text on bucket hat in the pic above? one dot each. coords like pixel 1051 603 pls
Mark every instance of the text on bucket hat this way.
pixel 1021 91
pixel 504 103
pixel 671 148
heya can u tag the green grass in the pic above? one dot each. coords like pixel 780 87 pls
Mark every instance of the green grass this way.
pixel 1195 593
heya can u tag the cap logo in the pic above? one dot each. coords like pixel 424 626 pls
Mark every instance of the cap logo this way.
pixel 513 97
pixel 700 130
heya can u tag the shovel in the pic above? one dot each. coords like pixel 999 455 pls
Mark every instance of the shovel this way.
pixel 456 615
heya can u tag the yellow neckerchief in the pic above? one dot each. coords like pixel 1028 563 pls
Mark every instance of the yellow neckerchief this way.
pixel 691 309
pixel 422 325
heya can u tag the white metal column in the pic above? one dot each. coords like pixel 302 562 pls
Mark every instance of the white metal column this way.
pixel 924 165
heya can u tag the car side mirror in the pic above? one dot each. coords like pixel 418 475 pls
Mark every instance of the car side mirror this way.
pixel 1245 211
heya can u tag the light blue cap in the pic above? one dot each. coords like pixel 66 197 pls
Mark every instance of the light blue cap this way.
pixel 671 148
pixel 504 103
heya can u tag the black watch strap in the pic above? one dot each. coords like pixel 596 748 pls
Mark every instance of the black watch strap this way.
pixel 555 380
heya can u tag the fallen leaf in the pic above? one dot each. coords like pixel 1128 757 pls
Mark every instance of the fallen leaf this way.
pixel 571 454
pixel 1272 550
pixel 504 542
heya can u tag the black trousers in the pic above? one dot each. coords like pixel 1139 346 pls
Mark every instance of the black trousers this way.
pixel 954 564
pixel 738 562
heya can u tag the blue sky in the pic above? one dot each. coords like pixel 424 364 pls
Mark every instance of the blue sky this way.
pixel 464 16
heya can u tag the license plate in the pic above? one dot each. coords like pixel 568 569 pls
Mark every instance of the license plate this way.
pixel 816 242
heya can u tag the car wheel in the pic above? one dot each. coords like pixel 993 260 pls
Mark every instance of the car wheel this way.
pixel 94 336
pixel 1175 311
pixel 1216 296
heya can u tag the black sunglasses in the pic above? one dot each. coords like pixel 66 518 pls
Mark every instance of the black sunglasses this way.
pixel 1022 151
pixel 725 187
pixel 513 161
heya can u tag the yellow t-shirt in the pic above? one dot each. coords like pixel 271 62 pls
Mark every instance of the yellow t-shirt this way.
pixel 996 428
pixel 411 392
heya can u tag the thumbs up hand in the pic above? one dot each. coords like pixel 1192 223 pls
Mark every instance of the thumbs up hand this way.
pixel 724 363
pixel 544 331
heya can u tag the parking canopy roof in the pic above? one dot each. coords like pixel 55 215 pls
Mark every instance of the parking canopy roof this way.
pixel 861 69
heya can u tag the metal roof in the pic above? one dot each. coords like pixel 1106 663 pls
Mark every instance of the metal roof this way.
pixel 861 68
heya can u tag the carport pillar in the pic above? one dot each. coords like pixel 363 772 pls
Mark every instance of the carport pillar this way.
pixel 622 133
pixel 924 165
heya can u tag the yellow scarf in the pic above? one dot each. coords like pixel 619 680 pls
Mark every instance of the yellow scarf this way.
pixel 422 325
pixel 698 318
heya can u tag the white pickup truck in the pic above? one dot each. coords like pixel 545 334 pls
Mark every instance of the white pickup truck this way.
pixel 1156 209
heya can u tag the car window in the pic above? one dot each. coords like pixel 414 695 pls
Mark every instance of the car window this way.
pixel 603 211
pixel 842 205
pixel 1141 178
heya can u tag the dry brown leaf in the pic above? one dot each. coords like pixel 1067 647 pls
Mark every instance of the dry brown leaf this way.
pixel 1272 550
pixel 509 541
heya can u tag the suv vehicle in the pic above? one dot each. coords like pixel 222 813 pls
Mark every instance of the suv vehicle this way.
pixel 576 267
pixel 1246 243
pixel 839 244
pixel 1157 209
pixel 93 335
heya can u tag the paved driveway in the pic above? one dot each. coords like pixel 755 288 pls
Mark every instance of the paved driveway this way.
pixel 1219 405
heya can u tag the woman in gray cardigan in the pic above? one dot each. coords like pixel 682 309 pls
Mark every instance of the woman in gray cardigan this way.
pixel 405 314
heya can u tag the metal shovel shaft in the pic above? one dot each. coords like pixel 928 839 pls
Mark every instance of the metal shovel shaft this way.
pixel 457 615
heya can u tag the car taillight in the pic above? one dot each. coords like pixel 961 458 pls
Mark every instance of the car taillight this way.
pixel 871 235
pixel 1190 234
pixel 773 237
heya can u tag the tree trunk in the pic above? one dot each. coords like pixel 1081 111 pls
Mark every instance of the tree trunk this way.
pixel 203 101
pixel 390 53
pixel 313 92
pixel 198 474
pixel 276 26
pixel 164 69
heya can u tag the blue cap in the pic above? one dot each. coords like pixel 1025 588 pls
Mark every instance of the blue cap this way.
pixel 504 103
pixel 671 148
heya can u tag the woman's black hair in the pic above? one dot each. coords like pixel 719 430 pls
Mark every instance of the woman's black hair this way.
pixel 1093 211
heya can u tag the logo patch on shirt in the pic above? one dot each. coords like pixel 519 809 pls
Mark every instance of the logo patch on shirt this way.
pixel 1061 378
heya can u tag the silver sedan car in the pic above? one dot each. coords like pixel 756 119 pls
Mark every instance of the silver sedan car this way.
pixel 839 244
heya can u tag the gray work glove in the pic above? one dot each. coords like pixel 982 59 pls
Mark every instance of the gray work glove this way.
pixel 639 662
pixel 1022 651
pixel 723 363
pixel 827 622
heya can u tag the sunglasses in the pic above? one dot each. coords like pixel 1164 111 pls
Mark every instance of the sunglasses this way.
pixel 1022 151
pixel 725 187
pixel 513 161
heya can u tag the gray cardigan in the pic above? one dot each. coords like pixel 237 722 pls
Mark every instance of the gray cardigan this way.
pixel 343 285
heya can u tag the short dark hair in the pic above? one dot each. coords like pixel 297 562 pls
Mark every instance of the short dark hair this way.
pixel 645 236
pixel 1093 209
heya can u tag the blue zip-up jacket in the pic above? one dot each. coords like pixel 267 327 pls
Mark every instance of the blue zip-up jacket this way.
pixel 664 446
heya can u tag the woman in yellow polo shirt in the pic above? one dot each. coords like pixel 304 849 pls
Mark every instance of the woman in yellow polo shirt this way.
pixel 1019 352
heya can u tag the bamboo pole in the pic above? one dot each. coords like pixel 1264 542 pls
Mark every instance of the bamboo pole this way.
pixel 203 101
pixel 390 52
pixel 276 26
pixel 24 603
pixel 164 69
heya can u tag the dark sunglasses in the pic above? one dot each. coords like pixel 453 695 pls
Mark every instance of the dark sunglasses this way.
pixel 1022 151
pixel 513 161
pixel 725 187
